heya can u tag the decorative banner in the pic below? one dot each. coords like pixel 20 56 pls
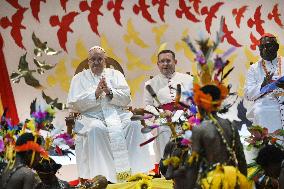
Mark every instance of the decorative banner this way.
pixel 6 93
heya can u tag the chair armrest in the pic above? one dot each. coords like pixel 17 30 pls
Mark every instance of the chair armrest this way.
pixel 70 121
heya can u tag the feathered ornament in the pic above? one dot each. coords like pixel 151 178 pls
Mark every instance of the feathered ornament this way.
pixel 68 140
pixel 33 106
pixel 211 72
pixel 57 151
pixel 225 177
pixel 10 155
pixel 31 145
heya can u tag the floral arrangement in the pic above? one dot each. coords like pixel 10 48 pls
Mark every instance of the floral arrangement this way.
pixel 260 136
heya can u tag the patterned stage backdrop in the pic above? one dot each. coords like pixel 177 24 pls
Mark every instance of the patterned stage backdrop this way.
pixel 131 32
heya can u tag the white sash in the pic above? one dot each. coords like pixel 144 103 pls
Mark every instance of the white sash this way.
pixel 117 143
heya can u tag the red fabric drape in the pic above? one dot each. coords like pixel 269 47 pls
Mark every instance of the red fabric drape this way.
pixel 6 92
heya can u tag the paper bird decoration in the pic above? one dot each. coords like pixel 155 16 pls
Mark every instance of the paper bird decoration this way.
pixel 41 47
pixel 26 73
pixel 53 102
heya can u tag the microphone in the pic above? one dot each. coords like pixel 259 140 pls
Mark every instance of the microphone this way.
pixel 152 93
pixel 178 95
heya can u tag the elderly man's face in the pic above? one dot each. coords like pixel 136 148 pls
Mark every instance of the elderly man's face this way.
pixel 268 48
pixel 96 61
pixel 166 64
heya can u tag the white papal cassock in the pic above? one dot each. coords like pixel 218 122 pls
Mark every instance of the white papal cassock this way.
pixel 165 88
pixel 267 110
pixel 107 142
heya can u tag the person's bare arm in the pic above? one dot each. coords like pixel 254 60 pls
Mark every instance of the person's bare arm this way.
pixel 192 170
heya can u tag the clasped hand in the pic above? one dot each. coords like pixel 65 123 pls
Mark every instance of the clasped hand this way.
pixel 102 87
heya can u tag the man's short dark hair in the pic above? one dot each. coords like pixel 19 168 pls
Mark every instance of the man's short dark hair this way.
pixel 269 154
pixel 167 51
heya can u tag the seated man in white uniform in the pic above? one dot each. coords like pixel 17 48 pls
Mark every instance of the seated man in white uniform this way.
pixel 267 110
pixel 107 141
pixel 165 87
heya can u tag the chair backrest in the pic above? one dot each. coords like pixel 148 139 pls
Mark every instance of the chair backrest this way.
pixel 110 63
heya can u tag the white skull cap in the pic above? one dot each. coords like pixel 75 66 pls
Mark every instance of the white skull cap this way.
pixel 96 48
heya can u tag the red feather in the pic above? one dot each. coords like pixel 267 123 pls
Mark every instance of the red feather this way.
pixel 58 150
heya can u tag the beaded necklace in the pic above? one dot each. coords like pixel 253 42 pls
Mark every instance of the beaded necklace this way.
pixel 278 64
pixel 231 151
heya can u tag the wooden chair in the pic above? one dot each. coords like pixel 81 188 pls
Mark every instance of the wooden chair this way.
pixel 110 63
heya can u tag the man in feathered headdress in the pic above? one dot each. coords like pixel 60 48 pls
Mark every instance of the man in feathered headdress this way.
pixel 28 155
pixel 216 158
